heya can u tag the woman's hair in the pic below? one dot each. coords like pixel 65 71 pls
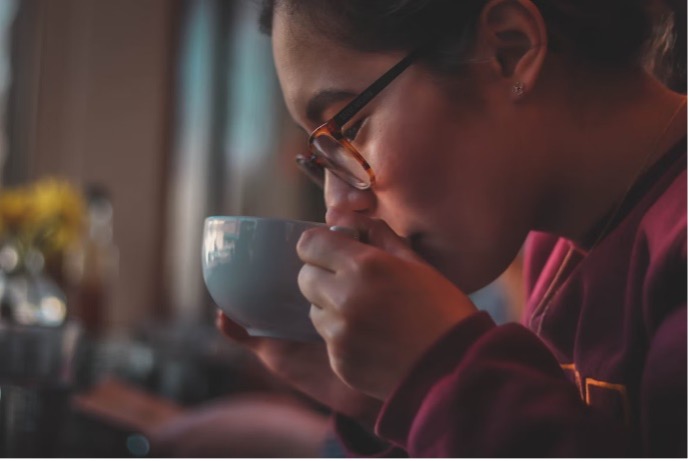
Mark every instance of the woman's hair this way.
pixel 601 32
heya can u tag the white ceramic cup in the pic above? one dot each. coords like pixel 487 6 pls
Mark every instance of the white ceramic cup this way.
pixel 250 268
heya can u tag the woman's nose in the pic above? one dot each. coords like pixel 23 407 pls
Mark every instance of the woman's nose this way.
pixel 339 195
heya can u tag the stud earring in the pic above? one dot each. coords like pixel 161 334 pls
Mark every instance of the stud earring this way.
pixel 518 88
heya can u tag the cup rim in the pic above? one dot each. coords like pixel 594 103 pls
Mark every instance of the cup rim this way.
pixel 260 218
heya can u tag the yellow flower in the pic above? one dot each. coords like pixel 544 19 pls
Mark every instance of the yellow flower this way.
pixel 48 215
pixel 57 212
pixel 14 209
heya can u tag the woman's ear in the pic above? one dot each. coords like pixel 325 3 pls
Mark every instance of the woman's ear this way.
pixel 513 34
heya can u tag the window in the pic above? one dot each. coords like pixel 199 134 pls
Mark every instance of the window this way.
pixel 8 11
pixel 223 161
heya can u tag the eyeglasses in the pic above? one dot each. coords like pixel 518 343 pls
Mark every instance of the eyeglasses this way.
pixel 329 149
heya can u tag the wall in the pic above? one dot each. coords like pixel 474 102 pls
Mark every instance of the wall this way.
pixel 101 87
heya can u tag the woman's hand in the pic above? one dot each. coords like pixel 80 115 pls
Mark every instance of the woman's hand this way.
pixel 377 305
pixel 305 366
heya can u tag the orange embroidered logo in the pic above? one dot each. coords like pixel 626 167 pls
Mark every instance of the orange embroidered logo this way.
pixel 610 397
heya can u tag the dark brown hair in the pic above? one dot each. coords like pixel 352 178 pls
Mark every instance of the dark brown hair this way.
pixel 601 32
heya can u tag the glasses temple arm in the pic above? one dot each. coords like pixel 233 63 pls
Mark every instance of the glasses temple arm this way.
pixel 342 117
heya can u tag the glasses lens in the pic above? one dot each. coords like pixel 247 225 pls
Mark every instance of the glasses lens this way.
pixel 310 166
pixel 341 161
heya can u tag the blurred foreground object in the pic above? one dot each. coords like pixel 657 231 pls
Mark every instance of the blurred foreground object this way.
pixel 252 425
pixel 36 379
pixel 37 224
pixel 121 404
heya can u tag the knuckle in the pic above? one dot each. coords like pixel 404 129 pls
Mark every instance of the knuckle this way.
pixel 327 329
pixel 340 335
pixel 304 277
pixel 315 318
pixel 306 240
pixel 349 303
pixel 326 332
pixel 370 264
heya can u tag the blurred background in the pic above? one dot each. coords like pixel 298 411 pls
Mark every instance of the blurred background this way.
pixel 163 104
pixel 147 115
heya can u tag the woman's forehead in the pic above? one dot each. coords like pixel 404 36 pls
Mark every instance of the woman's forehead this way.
pixel 309 63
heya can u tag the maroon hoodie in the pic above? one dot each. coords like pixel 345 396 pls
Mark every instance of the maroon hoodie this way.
pixel 600 370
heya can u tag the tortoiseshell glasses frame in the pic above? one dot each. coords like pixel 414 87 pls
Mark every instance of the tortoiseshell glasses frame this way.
pixel 330 150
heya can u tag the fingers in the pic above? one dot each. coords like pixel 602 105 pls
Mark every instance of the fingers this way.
pixel 334 250
pixel 268 350
pixel 324 322
pixel 326 249
pixel 233 330
pixel 317 285
pixel 375 232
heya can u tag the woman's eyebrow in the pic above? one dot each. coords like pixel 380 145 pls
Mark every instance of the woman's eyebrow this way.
pixel 321 100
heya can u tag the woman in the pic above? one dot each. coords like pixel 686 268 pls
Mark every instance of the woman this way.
pixel 489 123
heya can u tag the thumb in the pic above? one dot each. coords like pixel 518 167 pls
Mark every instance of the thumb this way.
pixel 374 232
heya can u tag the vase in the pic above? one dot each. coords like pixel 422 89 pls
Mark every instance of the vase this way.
pixel 28 295
pixel 37 363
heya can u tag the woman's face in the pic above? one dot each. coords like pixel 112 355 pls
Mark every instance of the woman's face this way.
pixel 450 174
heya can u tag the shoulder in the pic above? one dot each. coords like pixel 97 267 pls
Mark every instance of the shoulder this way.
pixel 660 253
pixel 664 224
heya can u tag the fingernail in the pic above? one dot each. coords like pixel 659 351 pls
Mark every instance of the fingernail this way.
pixel 349 231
